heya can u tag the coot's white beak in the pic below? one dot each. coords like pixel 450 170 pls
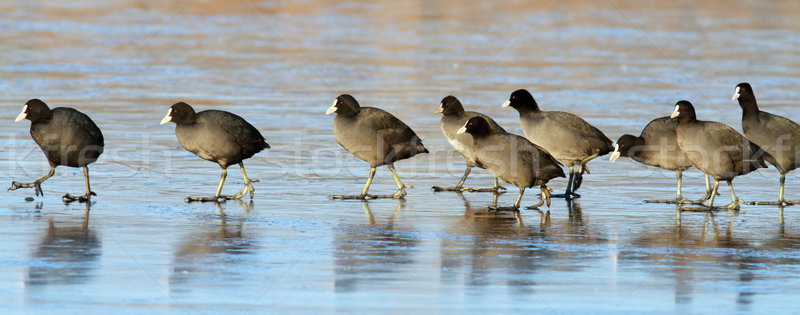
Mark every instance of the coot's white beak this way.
pixel 615 155
pixel 440 109
pixel 332 109
pixel 167 118
pixel 735 94
pixel 676 112
pixel 507 103
pixel 461 130
pixel 23 114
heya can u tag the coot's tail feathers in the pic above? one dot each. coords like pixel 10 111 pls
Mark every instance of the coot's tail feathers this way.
pixel 762 156
pixel 421 148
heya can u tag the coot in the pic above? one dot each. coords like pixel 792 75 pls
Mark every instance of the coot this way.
pixel 716 149
pixel 453 118
pixel 374 136
pixel 569 138
pixel 658 146
pixel 777 135
pixel 513 159
pixel 67 137
pixel 217 136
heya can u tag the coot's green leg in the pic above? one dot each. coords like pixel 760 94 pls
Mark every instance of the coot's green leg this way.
pixel 217 196
pixel 512 208
pixel 401 188
pixel 363 194
pixel 248 186
pixel 545 198
pixel 459 186
pixel 36 185
pixel 568 192
pixel 734 205
pixel 781 201
pixel 89 192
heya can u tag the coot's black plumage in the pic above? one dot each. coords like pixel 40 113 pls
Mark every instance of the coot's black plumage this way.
pixel 569 138
pixel 513 159
pixel 374 136
pixel 67 137
pixel 454 117
pixel 777 135
pixel 220 137
pixel 657 146
pixel 717 149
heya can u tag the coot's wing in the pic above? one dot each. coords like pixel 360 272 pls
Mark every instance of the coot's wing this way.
pixel 579 129
pixel 86 124
pixel 547 166
pixel 746 152
pixel 393 130
pixel 247 136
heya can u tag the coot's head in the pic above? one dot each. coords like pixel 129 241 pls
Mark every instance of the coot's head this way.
pixel 449 106
pixel 623 146
pixel 345 105
pixel 180 113
pixel 744 94
pixel 684 111
pixel 476 126
pixel 35 110
pixel 522 100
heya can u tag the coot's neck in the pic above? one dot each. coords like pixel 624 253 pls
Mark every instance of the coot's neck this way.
pixel 454 109
pixel 528 107
pixel 749 106
pixel 689 118
pixel 638 144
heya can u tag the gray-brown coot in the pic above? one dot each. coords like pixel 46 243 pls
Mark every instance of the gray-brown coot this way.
pixel 777 135
pixel 454 117
pixel 657 146
pixel 569 138
pixel 717 150
pixel 220 137
pixel 67 137
pixel 374 136
pixel 513 159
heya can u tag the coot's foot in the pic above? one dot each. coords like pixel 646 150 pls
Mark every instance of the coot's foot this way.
pixel 248 186
pixel 566 196
pixel 731 206
pixel 83 198
pixel 343 197
pixel 499 189
pixel 208 199
pixel 772 203
pixel 468 189
pixel 440 189
pixel 681 201
pixel 399 194
pixel 509 208
pixel 35 185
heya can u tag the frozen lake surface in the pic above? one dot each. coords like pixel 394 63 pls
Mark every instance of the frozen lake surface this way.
pixel 619 64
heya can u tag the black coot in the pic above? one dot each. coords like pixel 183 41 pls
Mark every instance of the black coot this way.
pixel 569 138
pixel 453 118
pixel 513 159
pixel 217 136
pixel 658 146
pixel 67 137
pixel 716 149
pixel 375 136
pixel 777 135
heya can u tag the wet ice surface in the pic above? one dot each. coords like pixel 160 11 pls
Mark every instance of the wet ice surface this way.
pixel 141 249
